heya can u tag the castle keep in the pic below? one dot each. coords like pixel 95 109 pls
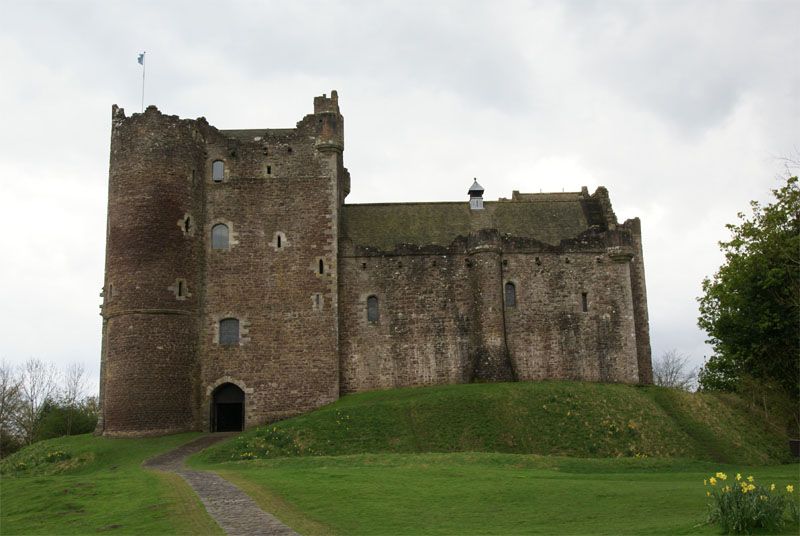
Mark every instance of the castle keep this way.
pixel 240 288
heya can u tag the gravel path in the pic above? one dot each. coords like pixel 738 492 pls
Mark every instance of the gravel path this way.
pixel 230 507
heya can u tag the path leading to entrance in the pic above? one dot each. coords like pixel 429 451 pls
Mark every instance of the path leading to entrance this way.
pixel 230 507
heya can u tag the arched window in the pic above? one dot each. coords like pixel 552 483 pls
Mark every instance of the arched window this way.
pixel 219 236
pixel 511 295
pixel 217 170
pixel 229 331
pixel 372 309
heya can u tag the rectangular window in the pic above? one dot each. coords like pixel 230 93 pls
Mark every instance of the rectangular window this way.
pixel 585 302
pixel 217 171
pixel 229 331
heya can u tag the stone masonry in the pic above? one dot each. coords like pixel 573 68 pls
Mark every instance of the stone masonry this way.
pixel 323 298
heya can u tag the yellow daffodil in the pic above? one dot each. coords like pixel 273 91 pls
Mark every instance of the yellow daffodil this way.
pixel 790 488
pixel 708 494
pixel 705 482
pixel 726 489
pixel 722 476
pixel 772 487
pixel 713 481
pixel 738 476
pixel 750 478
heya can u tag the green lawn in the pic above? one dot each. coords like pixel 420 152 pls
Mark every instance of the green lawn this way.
pixel 87 484
pixel 485 493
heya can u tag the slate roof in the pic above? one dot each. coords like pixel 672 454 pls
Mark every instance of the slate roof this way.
pixel 549 218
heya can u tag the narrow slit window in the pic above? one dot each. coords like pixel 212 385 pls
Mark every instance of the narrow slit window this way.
pixel 187 224
pixel 229 331
pixel 269 170
pixel 219 236
pixel 585 302
pixel 180 289
pixel 217 170
pixel 278 241
pixel 511 295
pixel 372 309
pixel 321 266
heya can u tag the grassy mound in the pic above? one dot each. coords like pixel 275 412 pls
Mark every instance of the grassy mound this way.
pixel 86 484
pixel 86 454
pixel 547 418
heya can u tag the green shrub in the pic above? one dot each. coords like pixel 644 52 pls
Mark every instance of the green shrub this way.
pixel 743 505
pixel 59 419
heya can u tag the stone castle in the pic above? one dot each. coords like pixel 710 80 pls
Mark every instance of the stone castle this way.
pixel 240 288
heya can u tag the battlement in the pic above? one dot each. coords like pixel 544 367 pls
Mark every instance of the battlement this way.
pixel 324 104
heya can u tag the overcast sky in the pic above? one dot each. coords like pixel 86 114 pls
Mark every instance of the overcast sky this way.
pixel 681 109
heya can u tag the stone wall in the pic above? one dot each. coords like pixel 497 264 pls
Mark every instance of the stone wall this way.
pixel 550 336
pixel 443 317
pixel 421 336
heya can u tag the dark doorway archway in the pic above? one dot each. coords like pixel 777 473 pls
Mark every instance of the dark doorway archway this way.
pixel 227 409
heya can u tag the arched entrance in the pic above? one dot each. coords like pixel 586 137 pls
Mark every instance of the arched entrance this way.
pixel 227 409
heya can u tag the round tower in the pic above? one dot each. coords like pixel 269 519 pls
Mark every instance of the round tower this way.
pixel 154 253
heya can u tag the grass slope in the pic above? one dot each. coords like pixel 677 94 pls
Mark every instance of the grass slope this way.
pixel 487 493
pixel 86 484
pixel 547 418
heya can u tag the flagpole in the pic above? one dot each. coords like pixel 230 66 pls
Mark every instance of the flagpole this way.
pixel 144 68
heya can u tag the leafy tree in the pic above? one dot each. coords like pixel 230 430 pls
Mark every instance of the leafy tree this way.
pixel 751 307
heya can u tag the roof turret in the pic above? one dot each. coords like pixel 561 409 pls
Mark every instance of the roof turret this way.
pixel 476 190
